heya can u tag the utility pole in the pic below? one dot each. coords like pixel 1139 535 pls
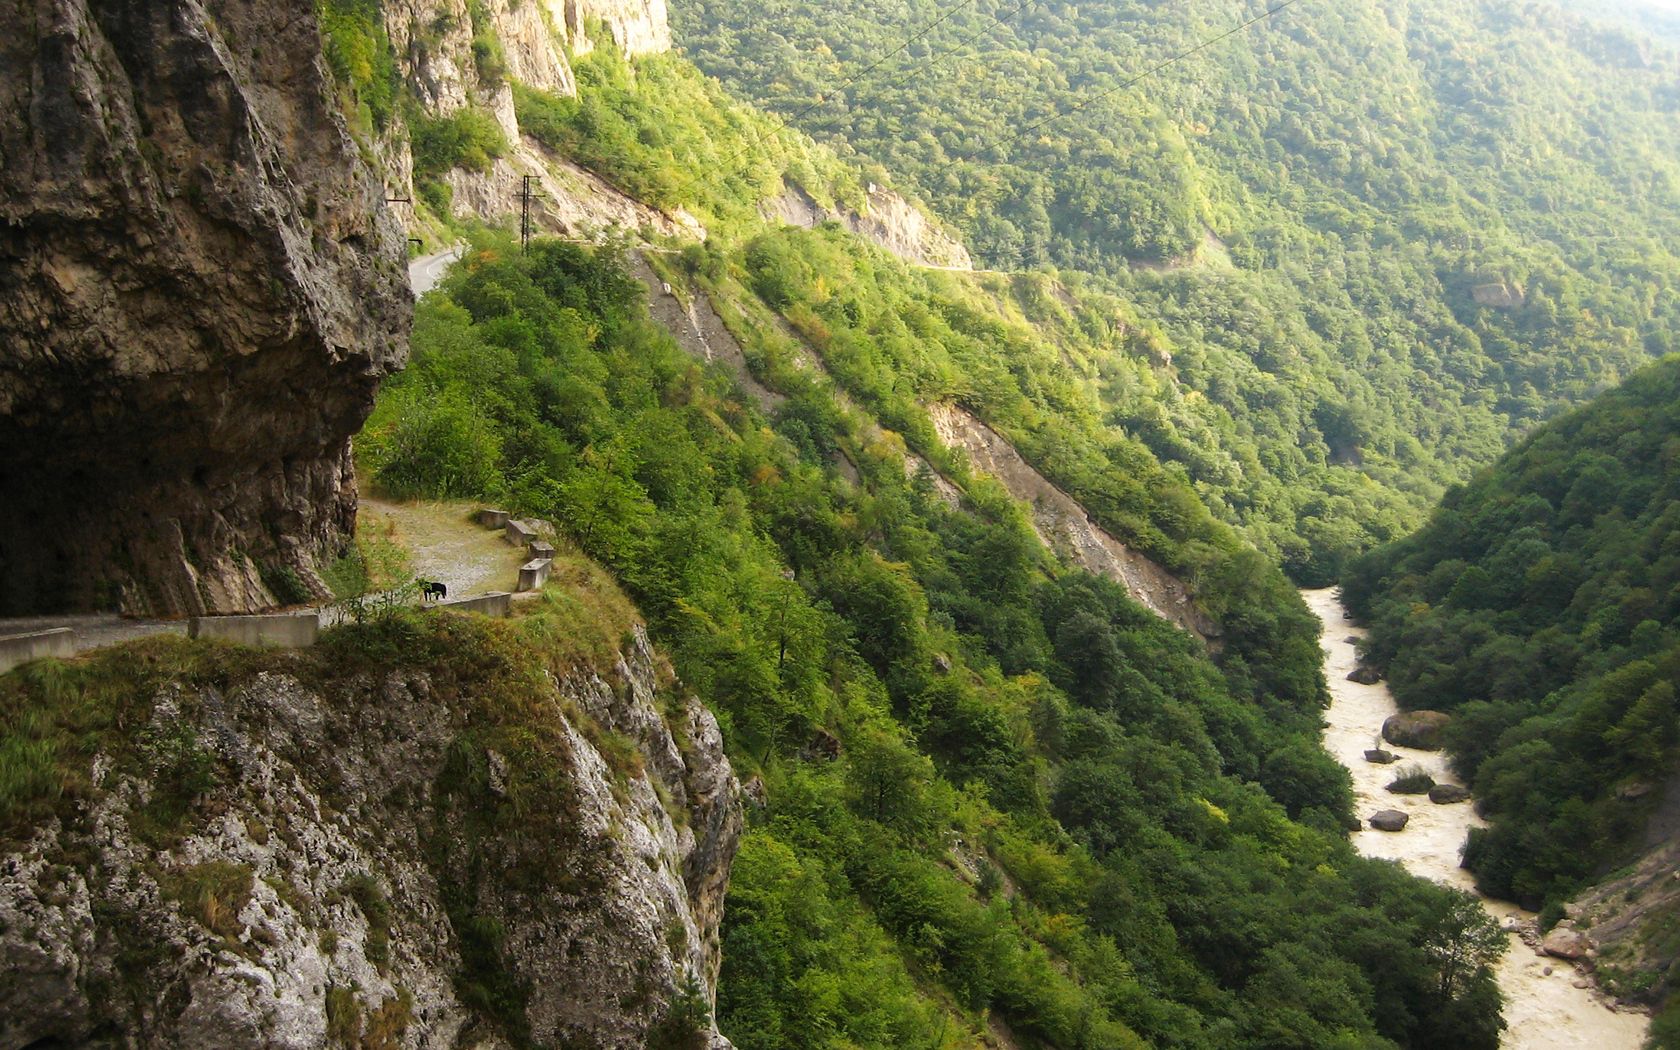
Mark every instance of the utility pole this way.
pixel 525 199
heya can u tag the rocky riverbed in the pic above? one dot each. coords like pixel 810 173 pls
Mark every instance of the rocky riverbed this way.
pixel 1550 1004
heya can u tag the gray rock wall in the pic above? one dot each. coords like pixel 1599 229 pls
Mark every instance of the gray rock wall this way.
pixel 200 289
pixel 366 863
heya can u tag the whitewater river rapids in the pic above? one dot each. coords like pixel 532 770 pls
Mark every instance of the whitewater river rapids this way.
pixel 1544 1012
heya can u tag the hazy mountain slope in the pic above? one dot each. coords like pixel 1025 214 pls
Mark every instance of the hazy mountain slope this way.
pixel 993 794
pixel 988 785
pixel 1446 221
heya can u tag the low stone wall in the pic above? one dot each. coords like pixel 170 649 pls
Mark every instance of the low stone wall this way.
pixel 521 533
pixel 21 648
pixel 533 574
pixel 496 603
pixel 525 533
pixel 277 630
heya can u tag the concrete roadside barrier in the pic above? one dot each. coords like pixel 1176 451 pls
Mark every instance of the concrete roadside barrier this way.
pixel 521 533
pixel 21 648
pixel 496 603
pixel 274 630
pixel 533 574
pixel 493 519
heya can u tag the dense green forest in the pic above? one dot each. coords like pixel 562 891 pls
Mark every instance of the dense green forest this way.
pixel 1049 807
pixel 1306 309
pixel 1322 213
pixel 1541 607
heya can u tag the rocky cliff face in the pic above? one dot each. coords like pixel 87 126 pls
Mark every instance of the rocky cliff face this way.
pixel 888 219
pixel 638 27
pixel 434 44
pixel 1065 527
pixel 199 291
pixel 428 854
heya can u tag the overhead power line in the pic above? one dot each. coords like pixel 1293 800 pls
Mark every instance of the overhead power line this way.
pixel 1132 82
pixel 878 63
pixel 783 122
pixel 997 20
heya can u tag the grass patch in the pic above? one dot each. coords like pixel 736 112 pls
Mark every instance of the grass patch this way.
pixel 212 894
pixel 386 1025
pixel 583 616
pixel 344 1016
pixel 1412 780
pixel 56 715
pixel 365 890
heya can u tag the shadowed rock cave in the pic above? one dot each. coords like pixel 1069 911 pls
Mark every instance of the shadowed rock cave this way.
pixel 200 289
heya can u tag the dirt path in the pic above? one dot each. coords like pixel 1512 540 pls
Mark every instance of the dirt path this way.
pixel 445 544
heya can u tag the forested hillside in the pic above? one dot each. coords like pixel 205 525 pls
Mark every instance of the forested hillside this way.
pixel 1541 608
pixel 994 791
pixel 996 799
pixel 1382 240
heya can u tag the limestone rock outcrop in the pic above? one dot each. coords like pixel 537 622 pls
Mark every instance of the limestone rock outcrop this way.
pixel 1065 527
pixel 638 27
pixel 200 288
pixel 1500 295
pixel 887 219
pixel 317 854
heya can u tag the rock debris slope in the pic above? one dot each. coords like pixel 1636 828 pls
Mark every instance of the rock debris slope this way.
pixel 200 289
pixel 1065 527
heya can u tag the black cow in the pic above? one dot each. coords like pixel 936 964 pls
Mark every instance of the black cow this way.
pixel 432 589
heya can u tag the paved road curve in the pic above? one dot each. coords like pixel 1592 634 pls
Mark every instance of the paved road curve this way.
pixel 425 272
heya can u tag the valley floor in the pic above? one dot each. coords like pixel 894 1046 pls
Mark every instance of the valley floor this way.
pixel 1549 1005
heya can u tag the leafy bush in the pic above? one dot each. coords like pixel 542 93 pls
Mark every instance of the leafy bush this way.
pixel 488 57
pixel 468 138
pixel 1412 780
pixel 360 56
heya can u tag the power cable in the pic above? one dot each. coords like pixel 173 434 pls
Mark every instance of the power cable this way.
pixel 1132 82
pixel 783 123
pixel 997 20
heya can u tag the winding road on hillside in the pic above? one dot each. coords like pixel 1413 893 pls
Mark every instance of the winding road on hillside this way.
pixel 482 562
pixel 425 272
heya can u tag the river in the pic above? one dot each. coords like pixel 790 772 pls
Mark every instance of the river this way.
pixel 1543 1012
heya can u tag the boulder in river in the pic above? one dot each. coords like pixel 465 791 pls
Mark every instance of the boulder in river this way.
pixel 1365 675
pixel 1566 942
pixel 1419 729
pixel 1447 794
pixel 1381 757
pixel 1389 820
